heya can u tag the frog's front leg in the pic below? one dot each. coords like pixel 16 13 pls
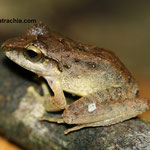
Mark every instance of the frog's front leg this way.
pixel 51 103
pixel 58 101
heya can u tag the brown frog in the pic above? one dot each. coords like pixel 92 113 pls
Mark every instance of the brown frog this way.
pixel 109 94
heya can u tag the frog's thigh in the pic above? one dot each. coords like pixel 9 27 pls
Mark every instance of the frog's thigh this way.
pixel 104 113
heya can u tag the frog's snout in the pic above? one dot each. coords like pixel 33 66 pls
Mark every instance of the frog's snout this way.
pixel 3 47
pixel 6 46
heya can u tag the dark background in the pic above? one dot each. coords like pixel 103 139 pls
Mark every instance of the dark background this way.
pixel 121 26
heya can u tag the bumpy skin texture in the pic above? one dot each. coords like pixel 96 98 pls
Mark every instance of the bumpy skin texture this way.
pixel 107 89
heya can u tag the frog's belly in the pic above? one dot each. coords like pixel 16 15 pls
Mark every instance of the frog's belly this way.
pixel 83 86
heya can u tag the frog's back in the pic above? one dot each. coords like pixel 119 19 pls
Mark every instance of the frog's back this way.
pixel 86 68
pixel 69 52
pixel 89 69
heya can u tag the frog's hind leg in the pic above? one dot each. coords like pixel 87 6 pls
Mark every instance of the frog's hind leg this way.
pixel 77 127
pixel 103 113
pixel 106 122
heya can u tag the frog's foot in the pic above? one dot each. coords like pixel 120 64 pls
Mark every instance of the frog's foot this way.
pixel 46 99
pixel 59 120
pixel 82 126
pixel 37 96
pixel 76 128
pixel 51 119
pixel 45 90
pixel 50 103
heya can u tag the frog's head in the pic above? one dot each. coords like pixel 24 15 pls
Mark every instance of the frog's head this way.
pixel 31 50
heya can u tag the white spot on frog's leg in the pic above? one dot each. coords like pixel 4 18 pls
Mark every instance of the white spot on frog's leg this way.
pixel 91 107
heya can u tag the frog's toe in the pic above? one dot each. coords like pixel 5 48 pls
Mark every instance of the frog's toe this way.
pixel 36 95
pixel 32 90
pixel 51 119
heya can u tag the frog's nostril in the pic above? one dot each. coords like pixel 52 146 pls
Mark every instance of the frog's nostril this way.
pixel 3 46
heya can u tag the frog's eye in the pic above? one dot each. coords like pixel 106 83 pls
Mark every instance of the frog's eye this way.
pixel 32 53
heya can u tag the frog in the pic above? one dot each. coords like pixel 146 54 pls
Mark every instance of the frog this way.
pixel 108 93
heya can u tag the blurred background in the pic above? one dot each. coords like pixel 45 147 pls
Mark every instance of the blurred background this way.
pixel 121 26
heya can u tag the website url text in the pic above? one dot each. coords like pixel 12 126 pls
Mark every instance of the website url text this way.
pixel 17 20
